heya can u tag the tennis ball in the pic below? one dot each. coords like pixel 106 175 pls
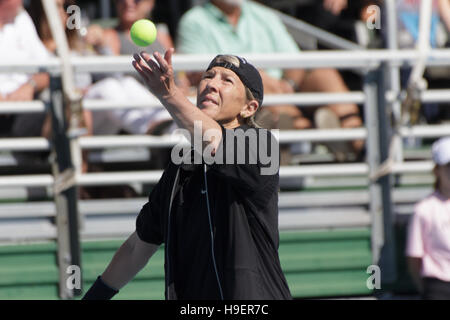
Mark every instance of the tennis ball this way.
pixel 143 32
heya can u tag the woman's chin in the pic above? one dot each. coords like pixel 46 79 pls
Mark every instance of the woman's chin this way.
pixel 208 111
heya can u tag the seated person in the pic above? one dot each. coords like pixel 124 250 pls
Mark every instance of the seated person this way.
pixel 408 20
pixel 339 16
pixel 117 88
pixel 242 27
pixel 76 46
pixel 444 11
pixel 117 41
pixel 19 41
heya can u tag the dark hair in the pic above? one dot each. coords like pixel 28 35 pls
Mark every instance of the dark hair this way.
pixel 251 120
pixel 37 14
pixel 437 181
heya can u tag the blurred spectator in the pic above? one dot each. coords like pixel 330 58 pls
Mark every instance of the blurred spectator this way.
pixel 19 41
pixel 428 244
pixel 326 14
pixel 117 41
pixel 336 16
pixel 76 46
pixel 408 20
pixel 117 88
pixel 37 14
pixel 128 87
pixel 444 11
pixel 170 12
pixel 242 27
pixel 408 16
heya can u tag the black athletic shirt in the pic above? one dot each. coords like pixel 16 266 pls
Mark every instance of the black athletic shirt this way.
pixel 244 217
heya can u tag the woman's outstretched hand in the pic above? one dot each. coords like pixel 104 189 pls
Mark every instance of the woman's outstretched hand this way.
pixel 160 79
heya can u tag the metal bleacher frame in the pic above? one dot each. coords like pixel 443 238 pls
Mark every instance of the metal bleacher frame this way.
pixel 367 207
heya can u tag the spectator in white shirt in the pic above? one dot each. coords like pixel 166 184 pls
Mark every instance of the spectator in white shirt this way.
pixel 19 42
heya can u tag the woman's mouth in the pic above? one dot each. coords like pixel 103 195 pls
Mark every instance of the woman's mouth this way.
pixel 209 100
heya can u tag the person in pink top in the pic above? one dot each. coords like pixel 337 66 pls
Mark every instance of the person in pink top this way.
pixel 428 243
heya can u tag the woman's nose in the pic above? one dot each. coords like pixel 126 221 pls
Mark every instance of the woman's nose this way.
pixel 213 84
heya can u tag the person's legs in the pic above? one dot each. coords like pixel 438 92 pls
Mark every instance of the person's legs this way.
pixel 329 80
pixel 299 121
pixel 277 86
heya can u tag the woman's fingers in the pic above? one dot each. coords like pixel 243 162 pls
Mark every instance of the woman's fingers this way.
pixel 141 62
pixel 145 55
pixel 150 62
pixel 156 70
pixel 162 63
pixel 149 65
pixel 166 62
pixel 168 56
pixel 139 70
pixel 154 66
pixel 145 66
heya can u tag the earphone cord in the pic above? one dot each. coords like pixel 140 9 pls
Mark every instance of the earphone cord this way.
pixel 212 234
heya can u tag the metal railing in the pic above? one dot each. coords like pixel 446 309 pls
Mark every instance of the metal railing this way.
pixel 368 60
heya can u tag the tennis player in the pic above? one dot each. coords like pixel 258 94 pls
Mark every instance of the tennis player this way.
pixel 217 217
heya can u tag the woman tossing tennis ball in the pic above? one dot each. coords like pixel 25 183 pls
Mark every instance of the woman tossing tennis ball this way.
pixel 143 32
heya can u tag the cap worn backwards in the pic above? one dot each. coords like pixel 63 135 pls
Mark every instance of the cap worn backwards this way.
pixel 248 74
pixel 441 151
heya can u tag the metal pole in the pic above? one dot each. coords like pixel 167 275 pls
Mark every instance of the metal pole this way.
pixel 383 245
pixel 69 252
pixel 394 73
pixel 387 259
pixel 373 159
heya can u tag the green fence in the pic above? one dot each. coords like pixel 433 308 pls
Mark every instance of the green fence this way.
pixel 316 264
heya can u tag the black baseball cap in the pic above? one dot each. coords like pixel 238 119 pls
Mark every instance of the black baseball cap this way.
pixel 248 74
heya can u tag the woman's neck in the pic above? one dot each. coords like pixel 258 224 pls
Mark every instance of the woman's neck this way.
pixel 233 13
pixel 125 26
pixel 445 192
pixel 231 124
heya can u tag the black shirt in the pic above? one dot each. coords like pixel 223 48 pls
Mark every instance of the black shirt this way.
pixel 243 220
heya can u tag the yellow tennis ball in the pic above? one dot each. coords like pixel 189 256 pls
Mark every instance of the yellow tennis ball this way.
pixel 143 32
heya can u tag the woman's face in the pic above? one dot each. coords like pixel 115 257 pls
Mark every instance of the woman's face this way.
pixel 131 10
pixel 127 10
pixel 9 9
pixel 221 95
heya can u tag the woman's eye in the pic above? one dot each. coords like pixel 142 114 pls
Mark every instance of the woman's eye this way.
pixel 229 80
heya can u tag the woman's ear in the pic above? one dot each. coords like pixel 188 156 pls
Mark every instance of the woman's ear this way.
pixel 249 109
